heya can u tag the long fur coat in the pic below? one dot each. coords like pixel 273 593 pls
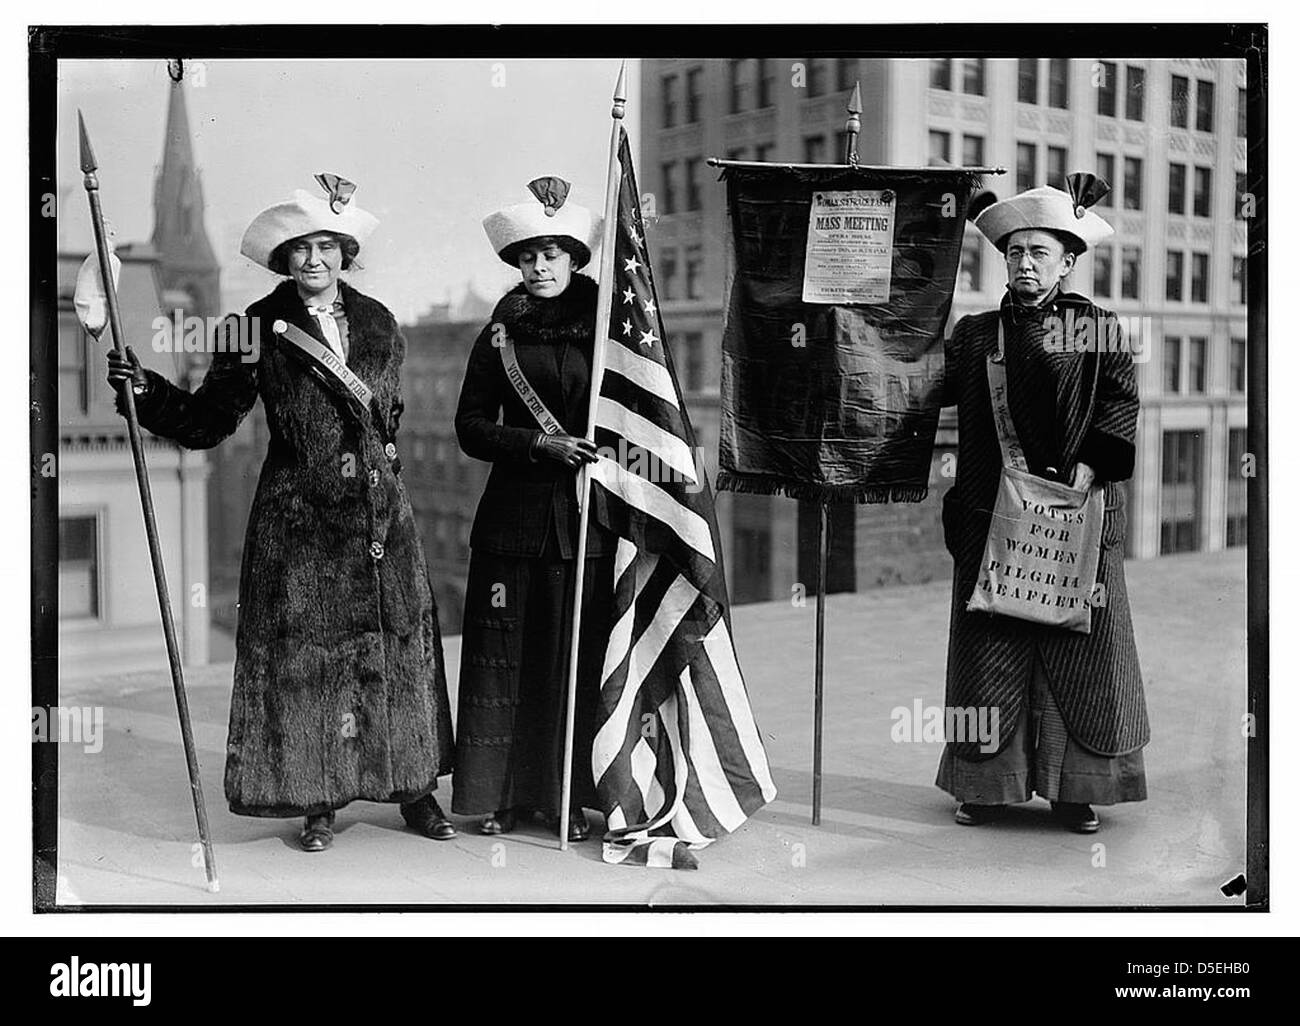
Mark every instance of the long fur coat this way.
pixel 340 691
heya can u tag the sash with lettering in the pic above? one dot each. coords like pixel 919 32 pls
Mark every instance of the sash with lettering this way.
pixel 838 290
pixel 1044 543
pixel 335 375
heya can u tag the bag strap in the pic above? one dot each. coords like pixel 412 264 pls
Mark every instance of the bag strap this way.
pixel 515 375
pixel 340 379
pixel 1013 455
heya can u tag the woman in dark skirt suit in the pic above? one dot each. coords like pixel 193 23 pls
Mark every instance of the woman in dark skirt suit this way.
pixel 519 599
pixel 339 692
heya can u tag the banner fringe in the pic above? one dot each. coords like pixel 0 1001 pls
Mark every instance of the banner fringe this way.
pixel 811 491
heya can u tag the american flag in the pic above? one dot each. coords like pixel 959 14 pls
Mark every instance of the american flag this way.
pixel 677 758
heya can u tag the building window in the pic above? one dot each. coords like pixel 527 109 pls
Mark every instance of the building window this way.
pixel 1058 83
pixel 972 150
pixel 940 148
pixel 666 279
pixel 1027 81
pixel 1106 171
pixel 693 97
pixel 693 201
pixel 688 356
pixel 1200 277
pixel 1239 205
pixel 940 73
pixel 970 277
pixel 694 270
pixel 846 73
pixel 737 152
pixel 1204 106
pixel 1174 276
pixel 816 75
pixel 1102 270
pixel 1134 93
pixel 1177 188
pixel 1180 492
pixel 1237 365
pixel 1026 166
pixel 764 78
pixel 1173 357
pixel 669 172
pixel 1196 365
pixel 972 79
pixel 1241 113
pixel 1106 89
pixel 74 368
pixel 1179 100
pixel 669 101
pixel 1132 183
pixel 737 86
pixel 1235 528
pixel 1239 280
pixel 840 152
pixel 814 149
pixel 1201 191
pixel 78 567
pixel 1130 272
pixel 1057 158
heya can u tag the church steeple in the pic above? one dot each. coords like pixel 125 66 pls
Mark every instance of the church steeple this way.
pixel 188 261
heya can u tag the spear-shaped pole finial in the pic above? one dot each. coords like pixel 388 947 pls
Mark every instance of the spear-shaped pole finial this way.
pixel 88 165
pixel 620 93
pixel 853 125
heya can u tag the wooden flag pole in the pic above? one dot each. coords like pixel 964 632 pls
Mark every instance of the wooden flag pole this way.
pixel 91 181
pixel 604 301
pixel 851 129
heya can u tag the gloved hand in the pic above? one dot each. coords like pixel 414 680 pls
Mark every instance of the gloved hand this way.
pixel 127 368
pixel 566 449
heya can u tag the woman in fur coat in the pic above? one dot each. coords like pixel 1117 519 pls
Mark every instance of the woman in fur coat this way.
pixel 519 598
pixel 339 687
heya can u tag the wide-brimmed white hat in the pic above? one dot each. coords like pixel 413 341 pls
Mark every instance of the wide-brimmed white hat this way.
pixel 305 214
pixel 546 212
pixel 1050 209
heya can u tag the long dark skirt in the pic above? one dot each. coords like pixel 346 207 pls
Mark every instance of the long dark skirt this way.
pixel 514 667
pixel 1043 759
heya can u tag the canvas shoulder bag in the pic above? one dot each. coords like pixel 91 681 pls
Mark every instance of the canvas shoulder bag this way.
pixel 1044 542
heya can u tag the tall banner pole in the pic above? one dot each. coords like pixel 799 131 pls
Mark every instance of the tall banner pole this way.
pixel 604 301
pixel 91 182
pixel 852 127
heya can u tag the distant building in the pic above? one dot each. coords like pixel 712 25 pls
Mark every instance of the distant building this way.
pixel 443 483
pixel 108 610
pixel 1169 137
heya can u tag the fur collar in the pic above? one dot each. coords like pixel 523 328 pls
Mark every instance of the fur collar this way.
pixel 570 316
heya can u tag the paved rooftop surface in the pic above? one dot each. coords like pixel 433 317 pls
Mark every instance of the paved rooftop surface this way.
pixel 126 828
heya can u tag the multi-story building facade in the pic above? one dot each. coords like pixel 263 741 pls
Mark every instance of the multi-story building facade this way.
pixel 1168 135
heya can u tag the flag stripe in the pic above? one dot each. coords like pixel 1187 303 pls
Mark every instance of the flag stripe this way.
pixel 641 371
pixel 662 446
pixel 651 498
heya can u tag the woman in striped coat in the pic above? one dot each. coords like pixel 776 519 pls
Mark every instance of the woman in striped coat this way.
pixel 1071 711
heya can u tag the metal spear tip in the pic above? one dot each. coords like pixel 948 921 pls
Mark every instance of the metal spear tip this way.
pixel 620 88
pixel 855 101
pixel 87 154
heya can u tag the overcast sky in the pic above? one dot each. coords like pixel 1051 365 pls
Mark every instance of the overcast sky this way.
pixel 432 145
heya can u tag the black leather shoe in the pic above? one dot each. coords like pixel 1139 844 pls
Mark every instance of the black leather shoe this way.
pixel 969 814
pixel 1076 816
pixel 317 832
pixel 425 816
pixel 578 828
pixel 500 822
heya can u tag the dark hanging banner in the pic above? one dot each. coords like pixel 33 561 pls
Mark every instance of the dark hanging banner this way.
pixel 840 285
